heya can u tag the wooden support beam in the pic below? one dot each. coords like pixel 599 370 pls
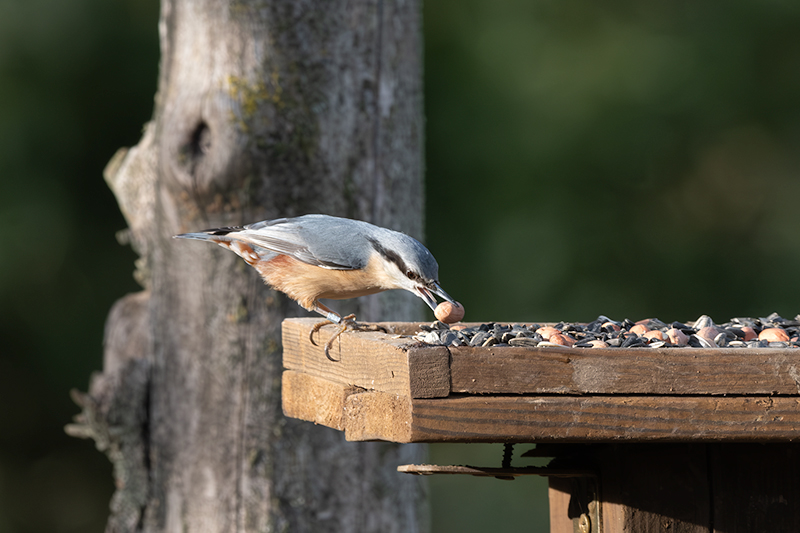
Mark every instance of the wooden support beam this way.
pixel 604 419
pixel 756 487
pixel 314 399
pixel 380 415
pixel 394 423
pixel 685 487
pixel 654 488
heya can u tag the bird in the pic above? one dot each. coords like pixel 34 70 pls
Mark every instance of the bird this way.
pixel 313 257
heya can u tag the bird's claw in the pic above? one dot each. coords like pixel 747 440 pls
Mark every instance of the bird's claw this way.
pixel 315 329
pixel 348 321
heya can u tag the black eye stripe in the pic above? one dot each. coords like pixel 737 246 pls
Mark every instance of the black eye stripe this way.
pixel 392 256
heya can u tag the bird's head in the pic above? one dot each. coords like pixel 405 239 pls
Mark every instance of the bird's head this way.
pixel 410 266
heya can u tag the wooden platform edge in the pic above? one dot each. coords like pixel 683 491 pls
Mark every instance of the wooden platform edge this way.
pixel 606 419
pixel 361 415
pixel 375 415
pixel 391 363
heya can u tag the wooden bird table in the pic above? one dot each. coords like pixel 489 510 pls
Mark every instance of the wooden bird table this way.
pixel 642 439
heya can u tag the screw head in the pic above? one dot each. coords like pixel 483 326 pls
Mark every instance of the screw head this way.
pixel 584 524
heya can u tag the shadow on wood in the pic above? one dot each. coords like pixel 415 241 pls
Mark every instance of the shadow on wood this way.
pixel 698 488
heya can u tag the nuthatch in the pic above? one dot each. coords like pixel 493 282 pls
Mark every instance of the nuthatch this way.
pixel 319 256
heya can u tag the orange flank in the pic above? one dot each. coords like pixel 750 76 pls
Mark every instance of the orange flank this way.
pixel 307 283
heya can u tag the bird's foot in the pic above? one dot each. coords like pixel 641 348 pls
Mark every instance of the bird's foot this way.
pixel 347 322
pixel 319 325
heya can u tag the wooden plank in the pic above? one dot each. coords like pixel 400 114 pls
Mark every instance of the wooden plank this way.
pixel 371 360
pixel 673 371
pixel 573 419
pixel 488 471
pixel 649 489
pixel 378 416
pixel 314 399
pixel 654 488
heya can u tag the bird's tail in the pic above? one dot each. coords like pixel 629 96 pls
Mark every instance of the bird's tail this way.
pixel 227 238
pixel 217 234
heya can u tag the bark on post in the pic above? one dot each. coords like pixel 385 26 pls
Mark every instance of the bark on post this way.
pixel 264 109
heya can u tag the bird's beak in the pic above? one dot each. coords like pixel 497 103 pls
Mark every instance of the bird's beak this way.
pixel 427 295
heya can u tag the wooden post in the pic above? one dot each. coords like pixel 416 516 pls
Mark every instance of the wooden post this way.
pixel 693 488
pixel 264 109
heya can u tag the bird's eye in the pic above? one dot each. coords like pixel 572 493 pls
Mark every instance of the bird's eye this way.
pixel 411 275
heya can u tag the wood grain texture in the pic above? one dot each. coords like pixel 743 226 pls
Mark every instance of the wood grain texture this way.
pixel 578 419
pixel 511 370
pixel 314 399
pixel 559 493
pixel 370 360
pixel 655 488
pixel 378 416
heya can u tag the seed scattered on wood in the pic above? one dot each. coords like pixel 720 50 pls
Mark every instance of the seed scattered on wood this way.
pixel 773 335
pixel 721 339
pixel 696 341
pixel 703 322
pixel 655 334
pixel 772 331
pixel 547 331
pixel 563 340
pixel 708 333
pixel 749 333
pixel 677 337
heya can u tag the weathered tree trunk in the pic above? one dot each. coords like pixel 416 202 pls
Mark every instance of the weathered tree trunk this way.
pixel 264 109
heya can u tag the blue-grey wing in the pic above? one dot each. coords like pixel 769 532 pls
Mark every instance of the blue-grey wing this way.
pixel 320 240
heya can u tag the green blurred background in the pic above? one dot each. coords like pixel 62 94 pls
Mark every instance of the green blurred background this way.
pixel 631 159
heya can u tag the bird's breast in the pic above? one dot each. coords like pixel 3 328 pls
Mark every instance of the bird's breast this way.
pixel 306 283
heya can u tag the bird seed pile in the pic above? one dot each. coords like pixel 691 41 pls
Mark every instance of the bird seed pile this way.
pixel 772 331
